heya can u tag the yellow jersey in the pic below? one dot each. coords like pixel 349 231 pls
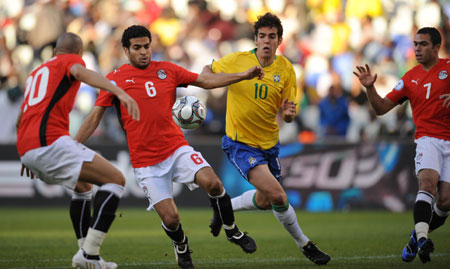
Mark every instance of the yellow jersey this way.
pixel 252 105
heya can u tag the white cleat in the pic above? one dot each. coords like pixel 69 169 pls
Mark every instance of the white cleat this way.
pixel 80 262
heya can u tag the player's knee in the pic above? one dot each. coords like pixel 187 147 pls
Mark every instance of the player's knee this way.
pixel 428 186
pixel 171 221
pixel 118 178
pixel 215 187
pixel 278 199
pixel 443 203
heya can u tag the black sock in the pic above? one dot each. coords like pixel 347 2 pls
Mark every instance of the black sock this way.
pixel 436 221
pixel 177 236
pixel 422 212
pixel 222 206
pixel 105 206
pixel 80 214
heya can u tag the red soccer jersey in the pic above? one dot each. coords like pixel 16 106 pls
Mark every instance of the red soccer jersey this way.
pixel 156 136
pixel 49 97
pixel 423 89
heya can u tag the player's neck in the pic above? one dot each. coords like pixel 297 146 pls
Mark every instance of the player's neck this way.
pixel 428 66
pixel 265 61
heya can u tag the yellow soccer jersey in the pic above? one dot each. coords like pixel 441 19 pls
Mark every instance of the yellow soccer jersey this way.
pixel 252 105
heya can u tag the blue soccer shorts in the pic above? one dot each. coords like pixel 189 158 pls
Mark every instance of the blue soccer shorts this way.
pixel 244 157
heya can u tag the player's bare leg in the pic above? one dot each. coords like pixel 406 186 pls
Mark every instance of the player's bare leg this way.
pixel 168 212
pixel 223 210
pixel 270 192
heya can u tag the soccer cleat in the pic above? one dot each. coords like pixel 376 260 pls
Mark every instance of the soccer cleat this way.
pixel 425 247
pixel 79 261
pixel 410 250
pixel 241 239
pixel 314 254
pixel 216 224
pixel 183 254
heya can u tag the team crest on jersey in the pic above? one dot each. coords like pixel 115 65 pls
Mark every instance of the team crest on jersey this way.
pixel 443 74
pixel 276 78
pixel 162 74
pixel 251 161
pixel 399 85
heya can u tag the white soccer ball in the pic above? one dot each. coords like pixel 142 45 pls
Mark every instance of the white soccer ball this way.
pixel 188 112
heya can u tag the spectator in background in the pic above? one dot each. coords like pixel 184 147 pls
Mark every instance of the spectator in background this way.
pixel 334 117
pixel 317 33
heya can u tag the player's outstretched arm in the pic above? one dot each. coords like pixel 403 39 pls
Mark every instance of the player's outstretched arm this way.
pixel 379 105
pixel 96 80
pixel 210 80
pixel 90 124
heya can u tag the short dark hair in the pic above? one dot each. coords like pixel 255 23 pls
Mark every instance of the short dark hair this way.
pixel 134 31
pixel 268 20
pixel 434 34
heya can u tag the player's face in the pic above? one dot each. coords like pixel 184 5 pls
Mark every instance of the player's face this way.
pixel 139 53
pixel 267 42
pixel 425 51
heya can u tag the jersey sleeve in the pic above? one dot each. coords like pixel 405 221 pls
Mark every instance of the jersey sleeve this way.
pixel 105 98
pixel 183 77
pixel 398 93
pixel 72 60
pixel 290 91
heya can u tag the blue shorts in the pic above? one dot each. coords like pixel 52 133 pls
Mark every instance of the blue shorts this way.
pixel 244 157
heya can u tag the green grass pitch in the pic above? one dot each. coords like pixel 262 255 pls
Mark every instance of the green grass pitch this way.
pixel 43 238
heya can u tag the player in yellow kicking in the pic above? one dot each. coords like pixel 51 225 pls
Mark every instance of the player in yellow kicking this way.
pixel 251 141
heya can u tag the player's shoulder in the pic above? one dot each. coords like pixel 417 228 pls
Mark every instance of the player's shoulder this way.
pixel 283 60
pixel 164 65
pixel 445 62
pixel 239 55
pixel 283 63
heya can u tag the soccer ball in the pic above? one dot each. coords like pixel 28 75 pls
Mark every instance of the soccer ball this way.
pixel 188 112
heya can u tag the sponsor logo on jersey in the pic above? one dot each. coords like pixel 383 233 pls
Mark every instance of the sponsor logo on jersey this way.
pixel 251 161
pixel 415 81
pixel 443 74
pixel 162 74
pixel 399 85
pixel 276 78
pixel 130 80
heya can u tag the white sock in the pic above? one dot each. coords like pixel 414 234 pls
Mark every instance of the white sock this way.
pixel 94 240
pixel 244 201
pixel 81 242
pixel 422 230
pixel 289 220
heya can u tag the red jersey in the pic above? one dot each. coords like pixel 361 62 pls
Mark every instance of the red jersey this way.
pixel 423 89
pixel 50 92
pixel 156 136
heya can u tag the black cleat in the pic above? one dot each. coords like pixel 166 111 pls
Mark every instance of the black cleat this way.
pixel 216 224
pixel 241 239
pixel 425 247
pixel 183 254
pixel 314 254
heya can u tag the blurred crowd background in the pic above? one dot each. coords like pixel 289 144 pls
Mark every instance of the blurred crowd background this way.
pixel 324 40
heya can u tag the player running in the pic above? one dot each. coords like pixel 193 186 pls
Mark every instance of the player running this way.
pixel 425 86
pixel 251 140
